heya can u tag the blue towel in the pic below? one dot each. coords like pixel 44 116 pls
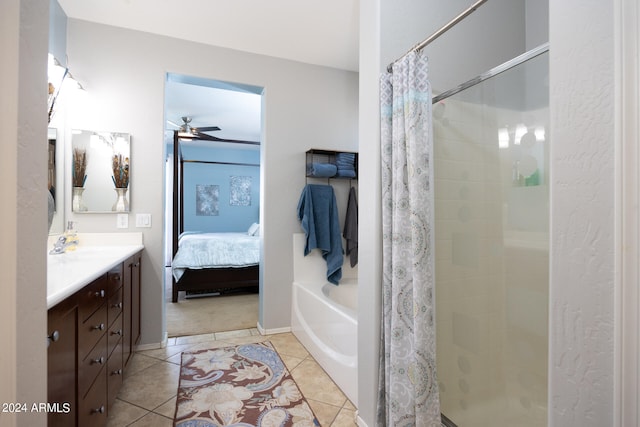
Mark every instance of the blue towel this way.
pixel 321 170
pixel 345 157
pixel 318 213
pixel 345 173
pixel 345 160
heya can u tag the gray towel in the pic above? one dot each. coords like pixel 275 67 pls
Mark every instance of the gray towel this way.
pixel 350 232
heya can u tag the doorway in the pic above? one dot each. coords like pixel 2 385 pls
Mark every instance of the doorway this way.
pixel 218 126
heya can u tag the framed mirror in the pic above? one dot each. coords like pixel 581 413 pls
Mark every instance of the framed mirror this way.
pixel 100 171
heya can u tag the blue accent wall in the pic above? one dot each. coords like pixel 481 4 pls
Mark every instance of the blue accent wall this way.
pixel 229 217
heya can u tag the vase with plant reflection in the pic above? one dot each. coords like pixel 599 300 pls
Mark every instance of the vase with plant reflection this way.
pixel 79 177
pixel 120 177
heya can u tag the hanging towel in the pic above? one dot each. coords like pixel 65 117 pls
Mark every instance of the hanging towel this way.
pixel 318 213
pixel 350 232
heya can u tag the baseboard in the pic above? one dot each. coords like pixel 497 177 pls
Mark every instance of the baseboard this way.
pixel 360 421
pixel 272 331
pixel 155 345
pixel 152 346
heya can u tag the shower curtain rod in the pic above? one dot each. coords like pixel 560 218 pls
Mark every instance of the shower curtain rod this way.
pixel 441 31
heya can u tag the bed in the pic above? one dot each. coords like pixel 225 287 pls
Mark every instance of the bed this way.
pixel 209 262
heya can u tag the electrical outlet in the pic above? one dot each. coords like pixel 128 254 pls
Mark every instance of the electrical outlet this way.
pixel 122 221
pixel 143 220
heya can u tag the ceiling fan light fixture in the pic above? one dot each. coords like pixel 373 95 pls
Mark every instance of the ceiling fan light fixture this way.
pixel 185 134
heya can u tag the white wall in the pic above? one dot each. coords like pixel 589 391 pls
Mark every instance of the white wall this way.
pixel 581 364
pixel 369 213
pixel 23 165
pixel 305 107
pixel 627 147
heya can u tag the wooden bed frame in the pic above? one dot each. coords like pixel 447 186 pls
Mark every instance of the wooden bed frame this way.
pixel 206 279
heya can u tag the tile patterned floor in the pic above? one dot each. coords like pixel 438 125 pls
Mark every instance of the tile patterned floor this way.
pixel 148 395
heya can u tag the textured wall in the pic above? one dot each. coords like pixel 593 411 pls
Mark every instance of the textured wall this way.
pixel 23 166
pixel 582 222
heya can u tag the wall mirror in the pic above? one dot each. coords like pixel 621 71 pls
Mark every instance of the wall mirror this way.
pixel 100 171
pixel 55 178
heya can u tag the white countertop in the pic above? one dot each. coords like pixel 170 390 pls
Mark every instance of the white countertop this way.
pixel 96 254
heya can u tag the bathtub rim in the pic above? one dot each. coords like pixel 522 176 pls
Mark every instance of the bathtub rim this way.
pixel 342 368
pixel 310 286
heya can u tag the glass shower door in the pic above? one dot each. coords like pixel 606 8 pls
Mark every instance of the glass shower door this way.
pixel 491 154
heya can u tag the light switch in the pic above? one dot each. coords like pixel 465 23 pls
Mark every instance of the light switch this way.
pixel 143 220
pixel 122 221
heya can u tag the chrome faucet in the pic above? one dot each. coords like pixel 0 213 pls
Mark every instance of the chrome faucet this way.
pixel 59 246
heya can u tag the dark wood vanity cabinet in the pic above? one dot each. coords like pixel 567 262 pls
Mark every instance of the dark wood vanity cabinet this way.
pixel 92 335
pixel 62 348
pixel 132 300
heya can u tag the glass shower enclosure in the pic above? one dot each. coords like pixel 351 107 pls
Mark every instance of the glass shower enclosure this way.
pixel 491 150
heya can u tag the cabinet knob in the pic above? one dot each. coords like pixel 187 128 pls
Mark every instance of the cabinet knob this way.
pixel 116 277
pixel 100 360
pixel 118 332
pixel 99 327
pixel 99 410
pixel 100 293
pixel 117 372
pixel 55 336
pixel 118 305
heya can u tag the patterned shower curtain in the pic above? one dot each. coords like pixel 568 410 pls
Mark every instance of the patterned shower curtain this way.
pixel 408 390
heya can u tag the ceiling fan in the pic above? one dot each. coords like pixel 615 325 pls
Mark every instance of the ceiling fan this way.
pixel 186 131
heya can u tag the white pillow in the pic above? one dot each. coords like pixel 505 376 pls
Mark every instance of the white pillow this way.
pixel 254 230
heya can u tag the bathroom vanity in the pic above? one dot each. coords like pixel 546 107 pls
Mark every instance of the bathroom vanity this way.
pixel 93 300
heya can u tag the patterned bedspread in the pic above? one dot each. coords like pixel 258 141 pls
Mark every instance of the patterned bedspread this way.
pixel 215 250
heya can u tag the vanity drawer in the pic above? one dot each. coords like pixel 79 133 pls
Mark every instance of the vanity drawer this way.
pixel 93 407
pixel 114 307
pixel 91 331
pixel 91 297
pixel 114 374
pixel 114 335
pixel 114 278
pixel 92 365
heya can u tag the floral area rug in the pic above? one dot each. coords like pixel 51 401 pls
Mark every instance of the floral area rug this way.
pixel 246 385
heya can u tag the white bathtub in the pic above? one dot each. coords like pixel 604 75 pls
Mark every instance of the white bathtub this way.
pixel 324 319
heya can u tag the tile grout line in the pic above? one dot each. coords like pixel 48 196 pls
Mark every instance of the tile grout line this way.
pixel 222 340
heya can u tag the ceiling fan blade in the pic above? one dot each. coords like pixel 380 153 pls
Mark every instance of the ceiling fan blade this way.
pixel 173 124
pixel 208 128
